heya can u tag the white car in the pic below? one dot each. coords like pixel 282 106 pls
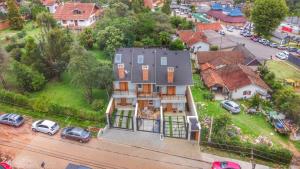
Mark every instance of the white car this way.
pixel 231 106
pixel 45 126
pixel 282 56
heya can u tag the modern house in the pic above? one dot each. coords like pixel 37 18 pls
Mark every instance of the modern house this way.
pixel 51 5
pixel 227 15
pixel 76 15
pixel 230 74
pixel 152 93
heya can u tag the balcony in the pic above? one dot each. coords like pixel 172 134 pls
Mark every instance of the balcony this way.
pixel 123 94
pixel 153 95
pixel 173 99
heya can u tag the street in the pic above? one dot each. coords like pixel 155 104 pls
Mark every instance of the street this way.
pixel 259 50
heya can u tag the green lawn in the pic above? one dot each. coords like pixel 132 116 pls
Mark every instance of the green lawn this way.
pixel 65 93
pixel 251 126
pixel 282 70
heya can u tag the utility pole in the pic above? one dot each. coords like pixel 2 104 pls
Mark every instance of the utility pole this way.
pixel 210 129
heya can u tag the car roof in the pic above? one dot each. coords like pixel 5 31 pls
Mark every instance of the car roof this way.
pixel 232 103
pixel 47 123
pixel 77 129
pixel 12 116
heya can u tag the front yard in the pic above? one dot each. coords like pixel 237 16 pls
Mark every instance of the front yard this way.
pixel 283 70
pixel 251 126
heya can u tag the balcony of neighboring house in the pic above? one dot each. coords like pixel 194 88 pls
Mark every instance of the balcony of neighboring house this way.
pixel 148 95
pixel 117 93
pixel 173 98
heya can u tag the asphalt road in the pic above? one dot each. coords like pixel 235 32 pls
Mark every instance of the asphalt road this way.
pixel 260 51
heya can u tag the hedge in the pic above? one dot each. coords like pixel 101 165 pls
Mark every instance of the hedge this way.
pixel 19 100
pixel 282 156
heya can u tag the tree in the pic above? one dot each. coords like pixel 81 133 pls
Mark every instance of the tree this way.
pixel 14 16
pixel 46 21
pixel 267 15
pixel 86 38
pixel 110 39
pixel 176 45
pixel 28 79
pixel 2 69
pixel 256 101
pixel 137 5
pixel 148 42
pixel 165 38
pixel 166 7
pixel 36 7
pixel 221 124
pixel 247 9
pixel 83 70
pixel 193 8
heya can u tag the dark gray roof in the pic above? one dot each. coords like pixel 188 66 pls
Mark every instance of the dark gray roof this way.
pixel 180 60
pixel 250 58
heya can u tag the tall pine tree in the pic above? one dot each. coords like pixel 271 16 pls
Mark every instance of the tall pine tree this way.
pixel 14 16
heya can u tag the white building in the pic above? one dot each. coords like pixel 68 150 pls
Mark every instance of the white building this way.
pixel 51 5
pixel 77 15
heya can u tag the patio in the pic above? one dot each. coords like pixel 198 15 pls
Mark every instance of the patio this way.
pixel 122 119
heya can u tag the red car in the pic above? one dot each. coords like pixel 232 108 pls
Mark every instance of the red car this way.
pixel 225 165
pixel 4 165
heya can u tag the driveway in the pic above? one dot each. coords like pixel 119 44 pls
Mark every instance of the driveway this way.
pixel 260 51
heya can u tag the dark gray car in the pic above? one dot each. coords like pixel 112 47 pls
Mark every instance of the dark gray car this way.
pixel 11 119
pixel 76 133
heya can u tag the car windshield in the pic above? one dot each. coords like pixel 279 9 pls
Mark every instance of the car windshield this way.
pixel 224 164
pixel 19 119
pixel 54 125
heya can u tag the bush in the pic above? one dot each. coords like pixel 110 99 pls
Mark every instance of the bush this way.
pixel 213 48
pixel 97 104
pixel 21 34
pixel 14 45
pixel 208 96
pixel 16 54
pixel 14 99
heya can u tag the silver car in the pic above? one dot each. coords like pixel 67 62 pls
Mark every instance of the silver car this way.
pixel 45 126
pixel 231 106
pixel 11 119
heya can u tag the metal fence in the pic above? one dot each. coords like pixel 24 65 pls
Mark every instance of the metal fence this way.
pixel 148 125
pixel 122 122
pixel 175 129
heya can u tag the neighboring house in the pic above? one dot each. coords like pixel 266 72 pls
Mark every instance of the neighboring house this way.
pixel 152 4
pixel 51 5
pixel 195 41
pixel 215 26
pixel 76 15
pixel 227 15
pixel 215 39
pixel 236 81
pixel 153 82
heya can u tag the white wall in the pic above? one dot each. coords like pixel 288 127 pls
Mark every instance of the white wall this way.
pixel 200 46
pixel 238 94
pixel 81 23
pixel 52 8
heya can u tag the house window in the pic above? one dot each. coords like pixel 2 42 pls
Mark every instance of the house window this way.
pixel 64 21
pixel 247 92
pixel 139 85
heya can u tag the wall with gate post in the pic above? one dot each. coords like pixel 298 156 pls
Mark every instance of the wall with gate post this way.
pixel 161 120
pixel 134 117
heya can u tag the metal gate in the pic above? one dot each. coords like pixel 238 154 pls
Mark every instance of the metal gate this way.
pixel 175 126
pixel 122 122
pixel 148 125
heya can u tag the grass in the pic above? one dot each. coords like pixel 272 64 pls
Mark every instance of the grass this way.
pixel 121 118
pixel 128 119
pixel 283 70
pixel 64 93
pixel 99 55
pixel 251 126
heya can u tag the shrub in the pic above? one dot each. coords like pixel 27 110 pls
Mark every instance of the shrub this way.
pixel 208 96
pixel 16 54
pixel 21 34
pixel 14 99
pixel 213 48
pixel 97 104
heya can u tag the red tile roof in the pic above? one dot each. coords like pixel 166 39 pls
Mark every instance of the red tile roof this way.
pixel 206 66
pixel 66 11
pixel 217 58
pixel 216 26
pixel 148 3
pixel 238 76
pixel 189 37
pixel 225 18
pixel 211 78
pixel 48 2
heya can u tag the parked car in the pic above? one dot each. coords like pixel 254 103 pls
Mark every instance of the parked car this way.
pixel 45 126
pixel 231 106
pixel 262 40
pixel 75 166
pixel 12 119
pixel 274 45
pixel 266 43
pixel 282 56
pixel 247 34
pixel 282 47
pixel 286 53
pixel 230 29
pixel 225 165
pixel 76 133
pixel 292 49
pixel 4 165
pixel 298 51
pixel 222 32
pixel 242 32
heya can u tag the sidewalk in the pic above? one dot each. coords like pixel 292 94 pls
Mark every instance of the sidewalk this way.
pixel 179 147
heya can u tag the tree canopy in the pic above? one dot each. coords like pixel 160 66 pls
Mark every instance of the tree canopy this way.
pixel 14 16
pixel 267 15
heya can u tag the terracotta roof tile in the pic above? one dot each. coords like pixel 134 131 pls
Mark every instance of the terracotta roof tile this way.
pixel 48 2
pixel 217 58
pixel 206 66
pixel 216 26
pixel 225 18
pixel 211 77
pixel 189 37
pixel 66 11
